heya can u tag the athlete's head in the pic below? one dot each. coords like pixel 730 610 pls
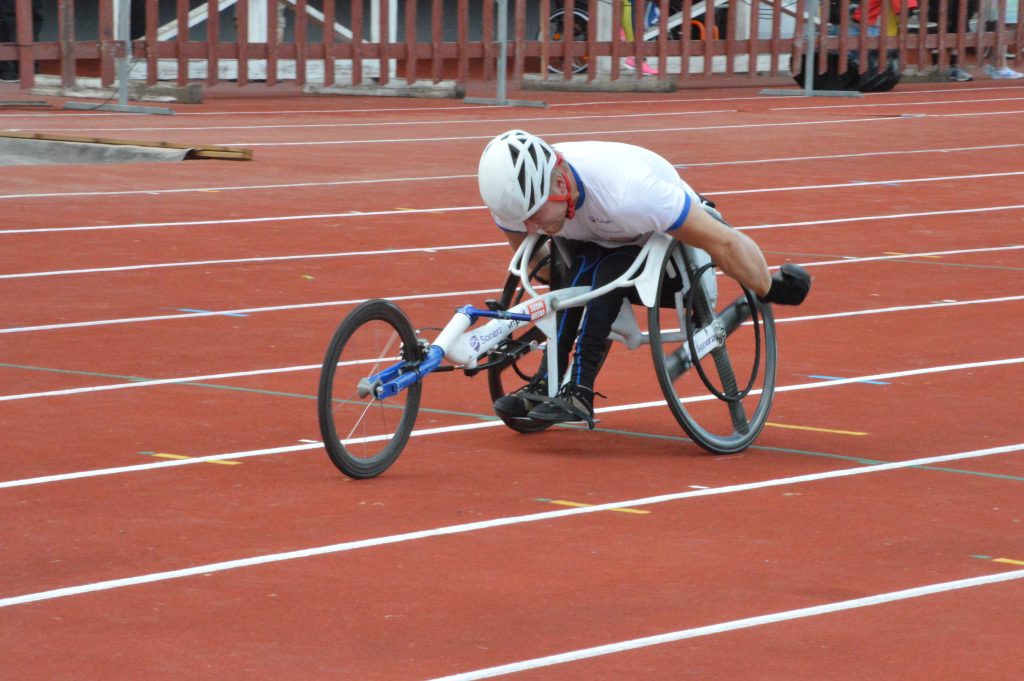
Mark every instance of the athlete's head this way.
pixel 516 173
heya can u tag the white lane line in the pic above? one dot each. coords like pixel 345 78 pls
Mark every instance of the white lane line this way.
pixel 435 178
pixel 864 154
pixel 333 303
pixel 241 221
pixel 687 99
pixel 893 216
pixel 911 256
pixel 293 185
pixel 428 249
pixel 634 131
pixel 308 367
pixel 519 120
pixel 833 382
pixel 899 308
pixel 733 625
pixel 274 308
pixel 416 211
pixel 489 524
pixel 240 261
pixel 419 123
pixel 157 381
pixel 872 104
pixel 866 183
pixel 432 249
pixel 477 425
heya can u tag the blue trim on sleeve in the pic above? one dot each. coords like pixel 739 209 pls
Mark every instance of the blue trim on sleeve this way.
pixel 579 186
pixel 682 216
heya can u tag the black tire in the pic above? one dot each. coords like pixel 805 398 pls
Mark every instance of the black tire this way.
pixel 364 435
pixel 581 20
pixel 519 361
pixel 556 29
pixel 745 367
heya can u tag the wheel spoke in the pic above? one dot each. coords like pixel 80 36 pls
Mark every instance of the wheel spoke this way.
pixel 730 422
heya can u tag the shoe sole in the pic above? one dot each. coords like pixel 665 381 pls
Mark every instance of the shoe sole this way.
pixel 555 419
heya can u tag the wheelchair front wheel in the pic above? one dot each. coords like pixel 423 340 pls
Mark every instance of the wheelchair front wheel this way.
pixel 520 356
pixel 364 435
pixel 739 375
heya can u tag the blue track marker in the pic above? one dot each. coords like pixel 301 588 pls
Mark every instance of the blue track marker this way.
pixel 840 378
pixel 211 312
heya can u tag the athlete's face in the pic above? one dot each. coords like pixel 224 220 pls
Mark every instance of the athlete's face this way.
pixel 550 217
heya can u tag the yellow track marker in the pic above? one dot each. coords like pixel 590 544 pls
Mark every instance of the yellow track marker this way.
pixel 576 504
pixel 816 430
pixel 164 455
pixel 1008 561
pixel 937 257
pixel 432 212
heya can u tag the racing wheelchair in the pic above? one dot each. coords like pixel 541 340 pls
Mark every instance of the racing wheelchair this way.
pixel 715 364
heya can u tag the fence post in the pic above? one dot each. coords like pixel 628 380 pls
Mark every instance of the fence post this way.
pixel 809 69
pixel 24 34
pixel 123 10
pixel 502 63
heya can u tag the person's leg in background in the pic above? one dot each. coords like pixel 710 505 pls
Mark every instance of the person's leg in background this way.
pixel 627 36
pixel 997 68
pixel 8 34
pixel 956 72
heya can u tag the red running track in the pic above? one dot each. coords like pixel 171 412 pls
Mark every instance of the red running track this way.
pixel 803 558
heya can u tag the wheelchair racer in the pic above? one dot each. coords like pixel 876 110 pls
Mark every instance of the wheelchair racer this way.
pixel 610 197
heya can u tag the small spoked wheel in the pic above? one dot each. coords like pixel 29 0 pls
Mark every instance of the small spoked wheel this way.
pixel 364 435
pixel 722 399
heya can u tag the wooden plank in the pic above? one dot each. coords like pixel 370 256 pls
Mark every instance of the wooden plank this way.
pixel 195 150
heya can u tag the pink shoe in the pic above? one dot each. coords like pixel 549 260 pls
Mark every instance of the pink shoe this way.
pixel 630 63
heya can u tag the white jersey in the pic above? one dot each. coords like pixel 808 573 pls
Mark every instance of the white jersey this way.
pixel 626 193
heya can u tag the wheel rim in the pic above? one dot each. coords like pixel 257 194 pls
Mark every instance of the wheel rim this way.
pixel 556 31
pixel 722 427
pixel 364 434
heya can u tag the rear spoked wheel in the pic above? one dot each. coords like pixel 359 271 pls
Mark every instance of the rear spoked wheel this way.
pixel 364 435
pixel 721 400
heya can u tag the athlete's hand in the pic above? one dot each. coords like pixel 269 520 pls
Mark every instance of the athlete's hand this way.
pixel 790 285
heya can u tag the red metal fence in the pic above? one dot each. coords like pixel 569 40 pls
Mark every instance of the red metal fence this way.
pixel 355 41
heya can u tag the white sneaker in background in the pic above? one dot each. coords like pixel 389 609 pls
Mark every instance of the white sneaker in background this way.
pixel 1005 73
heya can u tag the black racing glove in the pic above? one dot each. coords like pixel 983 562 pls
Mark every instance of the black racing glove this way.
pixel 790 285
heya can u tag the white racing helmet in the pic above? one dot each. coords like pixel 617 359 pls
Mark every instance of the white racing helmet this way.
pixel 515 175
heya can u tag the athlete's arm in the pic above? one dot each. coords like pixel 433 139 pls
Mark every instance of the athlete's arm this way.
pixel 515 239
pixel 734 252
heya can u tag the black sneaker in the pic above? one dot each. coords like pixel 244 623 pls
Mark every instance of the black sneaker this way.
pixel 574 404
pixel 518 403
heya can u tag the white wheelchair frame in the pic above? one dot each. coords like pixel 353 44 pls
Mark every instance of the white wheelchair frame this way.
pixel 463 346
